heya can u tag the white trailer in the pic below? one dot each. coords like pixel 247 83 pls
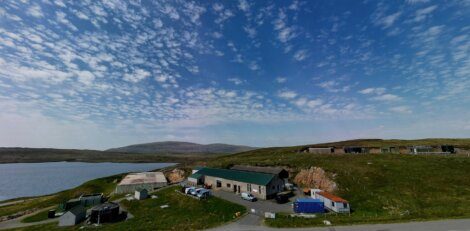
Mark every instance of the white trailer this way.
pixel 331 202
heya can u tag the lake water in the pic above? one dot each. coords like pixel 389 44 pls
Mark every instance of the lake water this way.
pixel 35 179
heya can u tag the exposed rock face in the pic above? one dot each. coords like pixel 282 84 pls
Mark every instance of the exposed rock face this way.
pixel 175 175
pixel 315 177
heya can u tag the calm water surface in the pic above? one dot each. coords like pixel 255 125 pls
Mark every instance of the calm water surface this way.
pixel 35 179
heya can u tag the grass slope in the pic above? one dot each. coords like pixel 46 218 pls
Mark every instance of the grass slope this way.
pixel 184 213
pixel 380 188
pixel 105 185
pixel 36 155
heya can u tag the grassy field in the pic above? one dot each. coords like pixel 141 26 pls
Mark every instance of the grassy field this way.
pixel 184 213
pixel 36 217
pixel 379 187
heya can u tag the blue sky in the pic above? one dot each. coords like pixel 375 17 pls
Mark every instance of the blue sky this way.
pixel 101 74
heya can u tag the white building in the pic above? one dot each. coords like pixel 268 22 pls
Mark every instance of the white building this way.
pixel 141 194
pixel 331 202
pixel 72 217
pixel 143 180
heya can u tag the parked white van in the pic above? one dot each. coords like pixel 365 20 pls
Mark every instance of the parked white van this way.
pixel 248 196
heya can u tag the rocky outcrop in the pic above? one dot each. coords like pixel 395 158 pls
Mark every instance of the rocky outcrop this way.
pixel 176 175
pixel 315 177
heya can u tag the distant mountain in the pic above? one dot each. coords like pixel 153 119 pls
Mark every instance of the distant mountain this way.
pixel 176 147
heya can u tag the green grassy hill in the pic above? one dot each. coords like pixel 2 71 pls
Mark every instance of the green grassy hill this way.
pixel 380 187
pixel 36 155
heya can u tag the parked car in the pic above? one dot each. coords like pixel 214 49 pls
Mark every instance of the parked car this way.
pixel 282 198
pixel 189 190
pixel 203 193
pixel 248 196
pixel 196 191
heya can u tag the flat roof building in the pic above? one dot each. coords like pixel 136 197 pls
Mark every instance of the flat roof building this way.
pixel 143 180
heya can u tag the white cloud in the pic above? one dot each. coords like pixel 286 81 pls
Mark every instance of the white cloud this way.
pixel 388 20
pixel 35 11
pixel 379 91
pixel 401 109
pixel 60 16
pixel 285 32
pixel 287 94
pixel 301 55
pixel 333 86
pixel 421 14
pixel 386 97
pixel 236 81
pixel 85 77
pixel 250 31
pixel 281 80
pixel 243 5
pixel 253 66
pixel 300 102
pixel 157 23
pixel 314 103
pixel 136 76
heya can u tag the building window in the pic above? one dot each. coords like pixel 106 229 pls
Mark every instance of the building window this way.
pixel 218 183
pixel 274 187
pixel 228 185
pixel 345 205
pixel 333 203
pixel 248 187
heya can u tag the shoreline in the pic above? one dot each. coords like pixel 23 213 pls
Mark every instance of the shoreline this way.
pixel 10 201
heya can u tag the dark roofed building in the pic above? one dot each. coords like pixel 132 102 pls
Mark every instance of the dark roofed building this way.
pixel 107 212
pixel 280 172
pixel 260 184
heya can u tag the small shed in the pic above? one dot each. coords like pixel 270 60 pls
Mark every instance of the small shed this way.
pixel 331 202
pixel 141 194
pixel 107 212
pixel 74 216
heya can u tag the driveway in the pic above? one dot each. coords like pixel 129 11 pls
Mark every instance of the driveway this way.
pixel 255 209
pixel 259 206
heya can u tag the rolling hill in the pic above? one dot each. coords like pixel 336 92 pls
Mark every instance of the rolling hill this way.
pixel 175 147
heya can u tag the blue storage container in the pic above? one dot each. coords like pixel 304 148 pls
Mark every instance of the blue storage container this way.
pixel 308 205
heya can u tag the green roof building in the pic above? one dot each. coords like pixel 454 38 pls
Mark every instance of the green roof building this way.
pixel 261 185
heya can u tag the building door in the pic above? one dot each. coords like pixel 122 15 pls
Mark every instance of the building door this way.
pixel 238 187
pixel 234 188
pixel 218 183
